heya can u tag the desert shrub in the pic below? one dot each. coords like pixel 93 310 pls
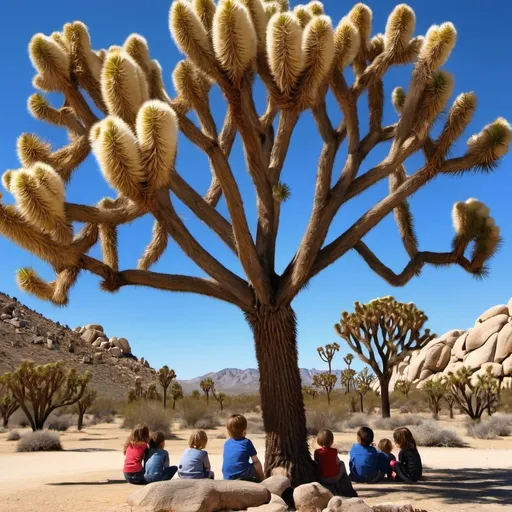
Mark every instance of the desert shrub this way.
pixel 151 413
pixel 496 426
pixel 407 408
pixel 195 414
pixel 318 419
pixel 404 420
pixel 60 423
pixel 104 410
pixel 40 441
pixel 502 423
pixel 429 433
pixel 243 404
pixel 357 420
pixel 255 423
pixel 13 435
pixel 4 430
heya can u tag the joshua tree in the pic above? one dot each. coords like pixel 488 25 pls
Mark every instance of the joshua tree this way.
pixel 436 391
pixel 176 393
pixel 327 382
pixel 152 394
pixel 346 379
pixel 450 401
pixel 473 397
pixel 196 394
pixel 83 404
pixel 310 391
pixel 327 353
pixel 219 396
pixel 206 386
pixel 403 386
pixel 165 377
pixel 8 403
pixel 382 333
pixel 137 392
pixel 363 383
pixel 348 360
pixel 40 389
pixel 133 129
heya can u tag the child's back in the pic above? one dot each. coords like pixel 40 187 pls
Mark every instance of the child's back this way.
pixel 366 464
pixel 157 461
pixel 194 464
pixel 237 453
pixel 410 464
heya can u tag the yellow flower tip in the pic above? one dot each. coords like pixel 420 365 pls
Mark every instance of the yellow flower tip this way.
pixel 303 14
pixel 400 28
pixel 346 43
pixel 361 17
pixel 438 44
pixel 234 38
pixel 49 58
pixel 315 8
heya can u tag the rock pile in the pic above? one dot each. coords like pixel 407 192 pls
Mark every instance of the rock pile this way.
pixel 488 344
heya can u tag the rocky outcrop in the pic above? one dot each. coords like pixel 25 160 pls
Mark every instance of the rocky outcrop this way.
pixel 488 344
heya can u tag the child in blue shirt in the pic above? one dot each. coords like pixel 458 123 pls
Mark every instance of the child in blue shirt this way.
pixel 156 467
pixel 385 447
pixel 366 464
pixel 194 463
pixel 240 457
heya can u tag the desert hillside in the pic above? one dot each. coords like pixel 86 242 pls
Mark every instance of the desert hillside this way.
pixel 27 335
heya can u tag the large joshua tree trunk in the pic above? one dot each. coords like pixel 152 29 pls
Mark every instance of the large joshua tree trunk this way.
pixel 282 404
pixel 384 396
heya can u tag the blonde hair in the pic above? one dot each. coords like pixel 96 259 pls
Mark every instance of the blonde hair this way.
pixel 385 445
pixel 139 435
pixel 237 426
pixel 325 438
pixel 198 440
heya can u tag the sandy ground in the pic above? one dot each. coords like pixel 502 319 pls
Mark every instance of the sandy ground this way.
pixel 86 476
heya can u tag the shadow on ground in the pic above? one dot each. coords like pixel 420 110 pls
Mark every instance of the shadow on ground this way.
pixel 90 450
pixel 451 486
pixel 101 482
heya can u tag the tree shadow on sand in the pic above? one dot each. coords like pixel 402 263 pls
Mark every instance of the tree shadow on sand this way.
pixel 90 450
pixel 451 486
pixel 100 482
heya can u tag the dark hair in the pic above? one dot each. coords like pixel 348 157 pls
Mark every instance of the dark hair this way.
pixel 325 438
pixel 365 436
pixel 237 425
pixel 385 445
pixel 156 440
pixel 139 435
pixel 404 439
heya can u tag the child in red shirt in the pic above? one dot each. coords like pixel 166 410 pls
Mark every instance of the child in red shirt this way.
pixel 331 469
pixel 134 451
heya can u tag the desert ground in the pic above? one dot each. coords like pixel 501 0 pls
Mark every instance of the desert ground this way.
pixel 86 476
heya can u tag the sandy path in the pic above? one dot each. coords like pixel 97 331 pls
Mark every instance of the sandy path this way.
pixel 87 478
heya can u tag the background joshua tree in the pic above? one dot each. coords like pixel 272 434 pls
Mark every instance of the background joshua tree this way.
pixel 8 403
pixel 346 379
pixel 348 360
pixel 473 397
pixel 176 393
pixel 196 394
pixel 152 394
pixel 83 404
pixel 382 333
pixel 363 383
pixel 207 385
pixel 450 401
pixel 41 389
pixel 165 377
pixel 403 386
pixel 327 353
pixel 327 382
pixel 310 391
pixel 436 391
pixel 133 129
pixel 137 392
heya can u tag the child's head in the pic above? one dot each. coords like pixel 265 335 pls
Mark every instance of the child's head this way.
pixel 237 426
pixel 365 436
pixel 139 435
pixel 385 445
pixel 157 440
pixel 198 440
pixel 325 438
pixel 404 439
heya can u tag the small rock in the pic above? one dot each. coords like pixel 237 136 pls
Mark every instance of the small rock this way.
pixel 5 316
pixel 115 351
pixel 348 505
pixel 105 345
pixel 23 323
pixel 98 357
pixel 77 329
pixel 17 313
pixel 86 359
pixel 38 340
pixel 310 496
pixel 49 343
pixel 277 484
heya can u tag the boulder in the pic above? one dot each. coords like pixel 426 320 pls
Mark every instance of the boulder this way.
pixel 437 358
pixel 497 371
pixel 77 329
pixel 448 338
pixel 483 331
pixel 95 327
pixel 307 497
pixel 338 504
pixel 105 345
pixel 425 374
pixel 5 317
pixel 507 366
pixel 509 306
pixel 269 507
pixel 91 335
pixel 391 507
pixel 484 354
pixel 277 500
pixel 276 484
pixel 506 383
pixel 98 357
pixel 500 309
pixel 198 496
pixel 49 343
pixel 416 366
pixel 97 342
pixel 7 309
pixel 459 347
pixel 504 345
pixel 13 322
pixel 82 330
pixel 453 367
pixel 124 345
pixel 115 351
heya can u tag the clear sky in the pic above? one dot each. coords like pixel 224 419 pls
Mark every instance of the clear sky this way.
pixel 194 334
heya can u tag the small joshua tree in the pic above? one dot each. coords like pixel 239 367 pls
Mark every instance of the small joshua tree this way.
pixel 298 57
pixel 327 382
pixel 196 394
pixel 310 391
pixel 327 353
pixel 347 378
pixel 348 360
pixel 207 385
pixel 83 404
pixel 41 389
pixel 176 393
pixel 382 333
pixel 403 386
pixel 8 403
pixel 450 401
pixel 152 394
pixel 436 391
pixel 473 398
pixel 363 383
pixel 137 392
pixel 165 377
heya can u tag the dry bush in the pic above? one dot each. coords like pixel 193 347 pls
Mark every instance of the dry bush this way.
pixel 243 404
pixel 61 423
pixel 429 433
pixel 195 414
pixel 39 441
pixel 255 423
pixel 104 410
pixel 498 425
pixel 415 402
pixel 404 420
pixel 357 421
pixel 330 418
pixel 13 435
pixel 151 413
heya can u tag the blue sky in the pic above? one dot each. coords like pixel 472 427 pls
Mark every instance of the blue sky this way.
pixel 194 334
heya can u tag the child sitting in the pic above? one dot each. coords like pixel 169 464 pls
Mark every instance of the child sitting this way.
pixel 408 468
pixel 194 463
pixel 157 467
pixel 366 465
pixel 134 451
pixel 237 452
pixel 385 447
pixel 331 469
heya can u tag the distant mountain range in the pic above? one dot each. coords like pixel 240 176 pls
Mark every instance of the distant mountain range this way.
pixel 233 380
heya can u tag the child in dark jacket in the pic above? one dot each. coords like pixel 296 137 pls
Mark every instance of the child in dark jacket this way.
pixel 157 466
pixel 385 447
pixel 408 468
pixel 366 464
